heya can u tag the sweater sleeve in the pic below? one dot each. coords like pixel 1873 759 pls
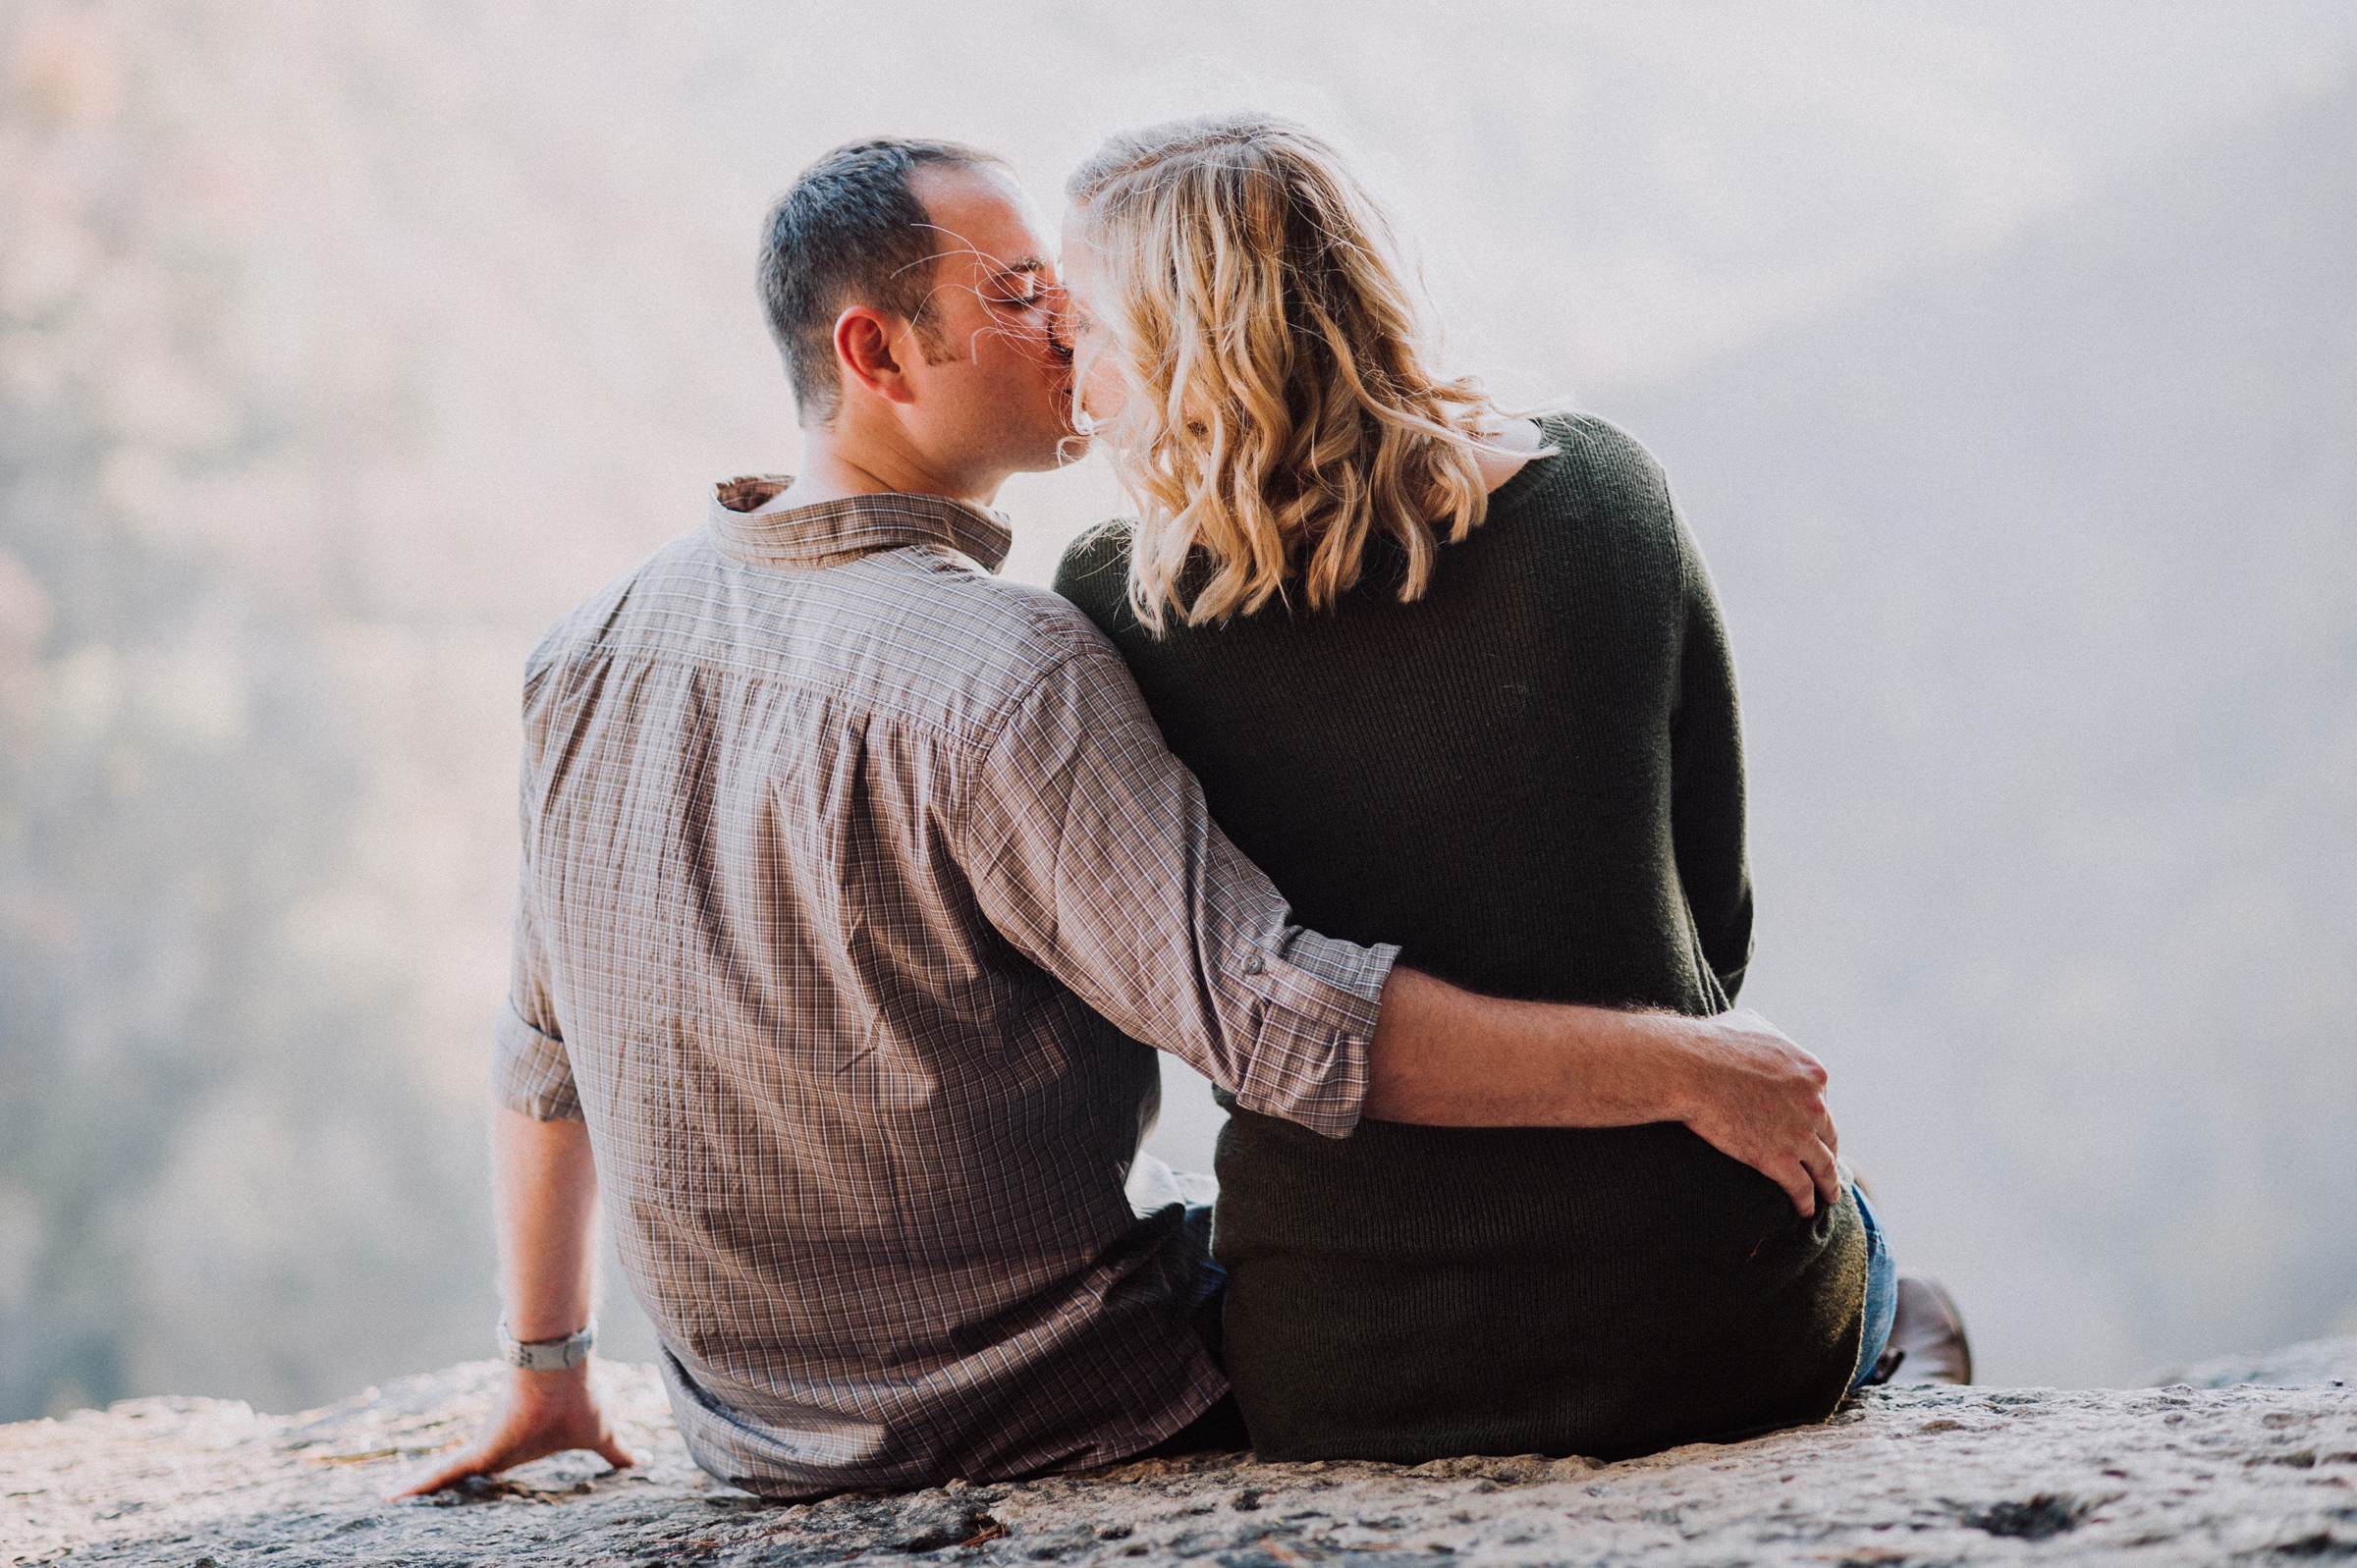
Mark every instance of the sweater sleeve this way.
pixel 1707 778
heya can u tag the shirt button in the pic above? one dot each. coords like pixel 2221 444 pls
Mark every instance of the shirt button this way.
pixel 1253 965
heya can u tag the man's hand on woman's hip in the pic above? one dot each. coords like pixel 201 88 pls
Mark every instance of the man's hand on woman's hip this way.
pixel 1447 1057
pixel 1756 1097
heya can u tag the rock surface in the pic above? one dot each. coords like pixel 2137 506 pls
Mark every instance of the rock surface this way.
pixel 2251 1461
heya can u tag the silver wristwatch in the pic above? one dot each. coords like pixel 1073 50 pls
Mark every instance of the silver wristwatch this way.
pixel 546 1355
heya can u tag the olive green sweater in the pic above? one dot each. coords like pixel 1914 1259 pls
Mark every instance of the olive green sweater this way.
pixel 1531 779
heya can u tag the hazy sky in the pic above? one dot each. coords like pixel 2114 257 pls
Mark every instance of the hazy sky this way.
pixel 1628 185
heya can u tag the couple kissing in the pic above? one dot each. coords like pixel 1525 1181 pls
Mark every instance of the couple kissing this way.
pixel 1384 767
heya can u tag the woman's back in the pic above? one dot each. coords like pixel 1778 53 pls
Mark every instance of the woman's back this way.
pixel 1530 779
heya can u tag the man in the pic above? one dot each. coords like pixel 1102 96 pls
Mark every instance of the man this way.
pixel 850 878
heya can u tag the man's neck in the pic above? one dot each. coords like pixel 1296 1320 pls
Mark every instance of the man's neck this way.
pixel 837 463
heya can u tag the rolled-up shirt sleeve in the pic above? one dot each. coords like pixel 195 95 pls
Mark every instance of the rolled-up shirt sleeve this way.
pixel 531 1072
pixel 1091 850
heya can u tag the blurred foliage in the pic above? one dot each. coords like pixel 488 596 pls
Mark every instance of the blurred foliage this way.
pixel 200 1130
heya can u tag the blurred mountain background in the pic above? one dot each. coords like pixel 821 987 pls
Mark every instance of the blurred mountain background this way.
pixel 2005 362
pixel 2042 570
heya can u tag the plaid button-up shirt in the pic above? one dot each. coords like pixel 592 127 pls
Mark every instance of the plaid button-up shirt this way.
pixel 849 873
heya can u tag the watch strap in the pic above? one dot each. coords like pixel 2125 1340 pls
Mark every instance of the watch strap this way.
pixel 546 1355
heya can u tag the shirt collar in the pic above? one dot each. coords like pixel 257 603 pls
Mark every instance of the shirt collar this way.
pixel 750 526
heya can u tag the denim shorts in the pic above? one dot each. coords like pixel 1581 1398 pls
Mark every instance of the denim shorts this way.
pixel 1882 1292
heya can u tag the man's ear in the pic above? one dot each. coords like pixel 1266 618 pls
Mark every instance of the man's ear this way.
pixel 863 352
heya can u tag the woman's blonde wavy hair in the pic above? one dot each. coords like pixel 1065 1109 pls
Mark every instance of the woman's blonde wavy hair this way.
pixel 1281 411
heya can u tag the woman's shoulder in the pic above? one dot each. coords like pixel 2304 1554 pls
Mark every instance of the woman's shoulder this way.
pixel 1598 489
pixel 1094 573
pixel 1593 448
pixel 1595 474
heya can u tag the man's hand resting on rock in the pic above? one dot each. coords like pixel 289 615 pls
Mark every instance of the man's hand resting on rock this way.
pixel 1759 1098
pixel 539 1414
pixel 545 1182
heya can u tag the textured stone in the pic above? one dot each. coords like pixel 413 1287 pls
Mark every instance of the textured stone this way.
pixel 2251 1461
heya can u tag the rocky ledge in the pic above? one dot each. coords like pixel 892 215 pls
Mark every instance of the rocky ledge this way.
pixel 2252 1461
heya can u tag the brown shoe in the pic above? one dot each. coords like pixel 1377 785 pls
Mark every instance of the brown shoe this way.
pixel 1927 1338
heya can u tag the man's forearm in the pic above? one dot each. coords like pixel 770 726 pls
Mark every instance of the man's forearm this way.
pixel 545 1187
pixel 1446 1058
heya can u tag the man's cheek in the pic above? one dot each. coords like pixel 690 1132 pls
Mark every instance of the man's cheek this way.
pixel 1055 373
pixel 1033 338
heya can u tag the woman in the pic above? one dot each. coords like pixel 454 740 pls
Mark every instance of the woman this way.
pixel 1455 680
